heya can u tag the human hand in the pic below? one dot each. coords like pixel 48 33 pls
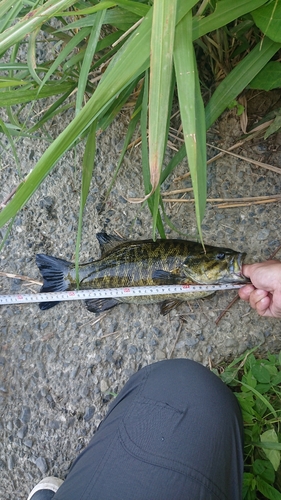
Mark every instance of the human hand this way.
pixel 264 294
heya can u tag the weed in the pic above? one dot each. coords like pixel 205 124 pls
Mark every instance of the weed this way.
pixel 256 384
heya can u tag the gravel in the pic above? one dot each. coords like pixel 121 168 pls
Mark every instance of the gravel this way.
pixel 60 368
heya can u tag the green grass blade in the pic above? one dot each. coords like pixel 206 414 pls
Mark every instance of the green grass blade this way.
pixel 7 233
pixel 267 18
pixel 239 78
pixel 192 113
pixel 130 131
pixel 33 20
pixel 258 395
pixel 134 7
pixel 31 56
pixel 10 82
pixel 6 5
pixel 116 106
pixel 53 111
pixel 88 57
pixel 102 44
pixel 91 10
pixel 22 96
pixel 177 158
pixel 144 144
pixel 87 171
pixel 161 64
pixel 225 13
pixel 7 20
pixel 72 44
pixel 10 139
pixel 130 61
pixel 145 157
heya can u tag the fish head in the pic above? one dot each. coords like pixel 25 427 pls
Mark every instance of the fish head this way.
pixel 215 265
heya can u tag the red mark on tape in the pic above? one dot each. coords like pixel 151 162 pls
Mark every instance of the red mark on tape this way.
pixel 71 293
pixel 186 286
pixel 19 297
pixel 126 290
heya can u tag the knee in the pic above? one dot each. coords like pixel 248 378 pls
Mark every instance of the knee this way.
pixel 181 382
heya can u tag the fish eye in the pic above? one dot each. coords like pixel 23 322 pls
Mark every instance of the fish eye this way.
pixel 220 256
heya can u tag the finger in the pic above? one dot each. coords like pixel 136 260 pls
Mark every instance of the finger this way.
pixel 256 297
pixel 245 292
pixel 263 306
pixel 246 270
pixel 275 307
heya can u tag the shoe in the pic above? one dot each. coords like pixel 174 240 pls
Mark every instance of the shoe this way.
pixel 46 489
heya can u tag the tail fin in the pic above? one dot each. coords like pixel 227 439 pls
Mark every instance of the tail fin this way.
pixel 54 271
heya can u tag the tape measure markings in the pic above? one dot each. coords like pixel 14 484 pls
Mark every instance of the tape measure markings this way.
pixel 103 293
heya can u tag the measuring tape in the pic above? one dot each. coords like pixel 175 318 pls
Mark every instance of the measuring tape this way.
pixel 106 293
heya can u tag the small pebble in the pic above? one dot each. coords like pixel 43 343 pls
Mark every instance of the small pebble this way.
pixel 74 372
pixel 262 234
pixel 25 414
pixel 22 432
pixel 103 385
pixel 132 349
pixel 159 355
pixel 89 413
pixel 10 425
pixel 191 342
pixel 11 462
pixel 28 442
pixel 41 463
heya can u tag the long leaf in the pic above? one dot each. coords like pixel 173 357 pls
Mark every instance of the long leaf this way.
pixel 145 158
pixel 161 64
pixel 131 60
pixel 259 396
pixel 22 96
pixel 225 13
pixel 7 19
pixel 87 171
pixel 72 44
pixel 130 131
pixel 129 5
pixel 88 57
pixel 31 56
pixel 239 78
pixel 32 21
pixel 127 64
pixel 192 113
pixel 230 88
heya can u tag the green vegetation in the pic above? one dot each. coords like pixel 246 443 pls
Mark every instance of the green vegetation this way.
pixel 256 384
pixel 128 44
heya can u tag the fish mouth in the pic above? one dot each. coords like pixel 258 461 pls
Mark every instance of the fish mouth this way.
pixel 235 269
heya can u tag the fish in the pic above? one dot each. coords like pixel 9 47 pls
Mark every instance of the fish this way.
pixel 125 263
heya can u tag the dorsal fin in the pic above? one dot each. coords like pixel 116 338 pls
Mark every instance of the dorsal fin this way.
pixel 108 242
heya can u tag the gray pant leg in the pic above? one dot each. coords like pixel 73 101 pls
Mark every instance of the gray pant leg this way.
pixel 173 433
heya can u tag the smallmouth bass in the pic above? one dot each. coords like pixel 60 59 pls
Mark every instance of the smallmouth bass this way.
pixel 143 263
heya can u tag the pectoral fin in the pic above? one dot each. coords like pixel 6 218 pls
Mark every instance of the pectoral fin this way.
pixel 100 305
pixel 161 277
